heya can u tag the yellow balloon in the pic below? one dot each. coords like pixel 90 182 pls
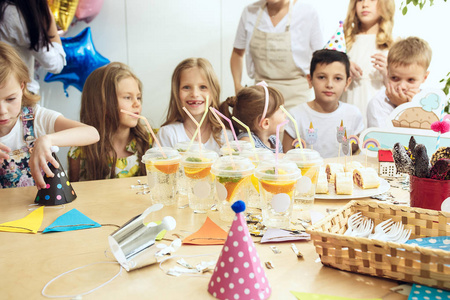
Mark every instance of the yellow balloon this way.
pixel 64 11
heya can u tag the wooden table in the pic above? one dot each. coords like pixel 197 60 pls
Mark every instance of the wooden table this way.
pixel 29 261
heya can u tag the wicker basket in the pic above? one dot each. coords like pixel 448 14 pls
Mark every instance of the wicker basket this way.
pixel 401 262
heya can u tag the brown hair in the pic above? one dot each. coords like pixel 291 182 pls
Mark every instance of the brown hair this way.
pixel 175 112
pixel 352 25
pixel 248 106
pixel 412 50
pixel 100 109
pixel 12 64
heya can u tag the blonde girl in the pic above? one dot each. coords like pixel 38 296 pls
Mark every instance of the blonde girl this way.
pixel 193 81
pixel 123 139
pixel 27 130
pixel 259 108
pixel 368 35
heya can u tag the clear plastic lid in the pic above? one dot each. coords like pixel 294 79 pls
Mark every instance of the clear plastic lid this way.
pixel 304 157
pixel 155 155
pixel 234 166
pixel 281 171
pixel 182 146
pixel 243 145
pixel 258 154
pixel 195 158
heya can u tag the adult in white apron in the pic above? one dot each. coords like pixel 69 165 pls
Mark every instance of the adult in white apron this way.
pixel 273 59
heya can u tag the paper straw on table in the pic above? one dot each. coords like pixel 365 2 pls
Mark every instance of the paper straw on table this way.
pixel 295 125
pixel 277 141
pixel 148 127
pixel 198 127
pixel 201 123
pixel 231 127
pixel 252 141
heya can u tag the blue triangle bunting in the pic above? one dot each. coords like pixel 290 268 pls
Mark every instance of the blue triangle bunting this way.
pixel 71 220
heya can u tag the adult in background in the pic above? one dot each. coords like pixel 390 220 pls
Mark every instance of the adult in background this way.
pixel 29 26
pixel 278 38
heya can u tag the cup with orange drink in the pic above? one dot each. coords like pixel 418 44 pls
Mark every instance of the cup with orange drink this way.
pixel 309 162
pixel 182 147
pixel 200 182
pixel 277 182
pixel 162 172
pixel 256 155
pixel 233 181
pixel 235 148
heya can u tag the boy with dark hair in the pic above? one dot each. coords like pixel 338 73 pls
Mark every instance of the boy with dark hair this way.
pixel 329 77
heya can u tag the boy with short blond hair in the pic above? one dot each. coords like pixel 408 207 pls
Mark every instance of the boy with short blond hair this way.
pixel 407 65
pixel 329 77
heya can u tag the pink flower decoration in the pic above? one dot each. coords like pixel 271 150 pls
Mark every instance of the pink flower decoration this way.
pixel 440 126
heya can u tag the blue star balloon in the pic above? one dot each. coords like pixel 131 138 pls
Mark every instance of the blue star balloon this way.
pixel 82 59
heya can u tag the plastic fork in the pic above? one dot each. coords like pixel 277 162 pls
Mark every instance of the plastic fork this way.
pixel 394 233
pixel 364 229
pixel 353 222
pixel 381 228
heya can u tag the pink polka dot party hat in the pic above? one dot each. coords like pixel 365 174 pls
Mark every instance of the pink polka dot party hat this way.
pixel 59 190
pixel 239 273
pixel 337 41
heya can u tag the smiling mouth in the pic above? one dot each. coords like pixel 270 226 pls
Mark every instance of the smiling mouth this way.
pixel 195 102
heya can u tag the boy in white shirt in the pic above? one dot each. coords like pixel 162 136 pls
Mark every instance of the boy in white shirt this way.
pixel 407 65
pixel 330 77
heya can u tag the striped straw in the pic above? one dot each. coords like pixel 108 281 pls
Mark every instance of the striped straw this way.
pixel 149 128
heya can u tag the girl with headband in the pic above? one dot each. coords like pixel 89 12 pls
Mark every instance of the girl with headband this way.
pixel 258 107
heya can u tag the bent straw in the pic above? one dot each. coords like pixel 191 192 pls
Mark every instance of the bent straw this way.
pixel 211 109
pixel 148 127
pixel 201 123
pixel 252 141
pixel 198 127
pixel 231 127
pixel 295 125
pixel 277 141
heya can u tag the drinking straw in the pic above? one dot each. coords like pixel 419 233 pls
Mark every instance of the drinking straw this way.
pixel 201 123
pixel 277 141
pixel 231 127
pixel 252 141
pixel 148 127
pixel 198 127
pixel 212 110
pixel 295 125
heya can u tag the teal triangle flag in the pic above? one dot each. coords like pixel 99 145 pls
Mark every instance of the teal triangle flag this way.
pixel 71 220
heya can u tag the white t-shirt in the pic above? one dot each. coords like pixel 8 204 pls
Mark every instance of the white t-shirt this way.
pixel 363 89
pixel 306 34
pixel 172 134
pixel 13 30
pixel 379 109
pixel 44 123
pixel 326 125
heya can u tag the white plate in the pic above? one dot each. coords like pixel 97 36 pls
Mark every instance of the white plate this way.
pixel 357 192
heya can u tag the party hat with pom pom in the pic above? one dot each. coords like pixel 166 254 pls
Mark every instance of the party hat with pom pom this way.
pixel 239 273
pixel 337 41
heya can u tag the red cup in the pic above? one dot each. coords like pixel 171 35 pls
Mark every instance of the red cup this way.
pixel 428 193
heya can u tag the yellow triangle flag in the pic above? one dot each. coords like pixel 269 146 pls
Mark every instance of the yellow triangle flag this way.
pixel 29 224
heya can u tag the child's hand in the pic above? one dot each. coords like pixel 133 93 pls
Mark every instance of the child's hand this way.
pixel 355 71
pixel 397 96
pixel 379 61
pixel 40 156
pixel 4 155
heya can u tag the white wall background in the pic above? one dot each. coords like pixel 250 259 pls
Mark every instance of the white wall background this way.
pixel 153 36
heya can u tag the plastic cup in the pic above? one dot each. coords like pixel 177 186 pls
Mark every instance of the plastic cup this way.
pixel 244 145
pixel 232 180
pixel 200 183
pixel 181 147
pixel 309 162
pixel 256 155
pixel 162 174
pixel 277 192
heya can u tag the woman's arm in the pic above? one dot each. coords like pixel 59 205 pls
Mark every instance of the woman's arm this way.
pixel 53 30
pixel 67 133
pixel 236 64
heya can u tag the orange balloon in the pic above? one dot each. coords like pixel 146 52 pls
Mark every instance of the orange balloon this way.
pixel 64 11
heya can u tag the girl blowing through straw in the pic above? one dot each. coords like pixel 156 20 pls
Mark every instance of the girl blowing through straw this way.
pixel 258 107
pixel 193 81
pixel 27 130
pixel 123 140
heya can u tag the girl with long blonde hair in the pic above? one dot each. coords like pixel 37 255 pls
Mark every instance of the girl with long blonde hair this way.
pixel 368 36
pixel 193 81
pixel 123 139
